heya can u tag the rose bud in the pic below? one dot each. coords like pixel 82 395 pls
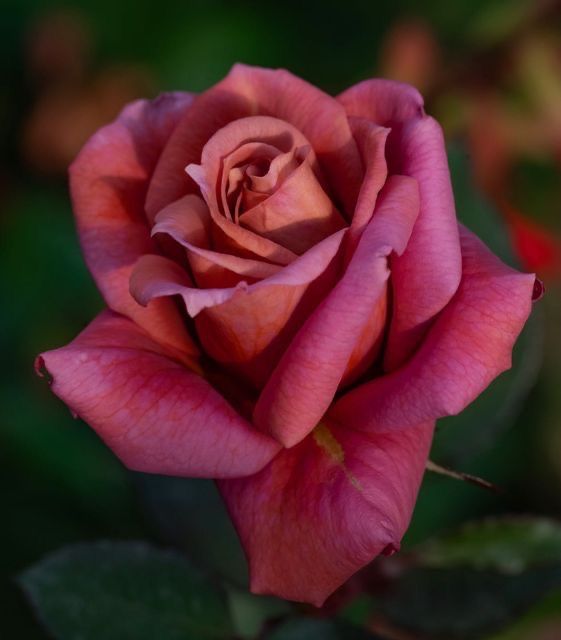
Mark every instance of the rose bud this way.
pixel 330 310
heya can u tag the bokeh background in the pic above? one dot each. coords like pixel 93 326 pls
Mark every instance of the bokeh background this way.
pixel 491 73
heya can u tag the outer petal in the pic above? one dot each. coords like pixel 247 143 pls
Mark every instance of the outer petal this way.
pixel 467 347
pixel 305 381
pixel 325 508
pixel 249 91
pixel 385 102
pixel 427 275
pixel 156 415
pixel 108 183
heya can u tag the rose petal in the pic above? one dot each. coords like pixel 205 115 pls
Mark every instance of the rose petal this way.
pixel 246 327
pixel 156 415
pixel 215 166
pixel 303 384
pixel 298 215
pixel 186 221
pixel 108 181
pixel 467 347
pixel 325 508
pixel 426 276
pixel 371 141
pixel 385 102
pixel 249 91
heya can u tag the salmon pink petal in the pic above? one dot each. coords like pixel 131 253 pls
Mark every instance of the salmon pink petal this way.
pixel 325 508
pixel 187 218
pixel 155 276
pixel 252 329
pixel 108 182
pixel 298 215
pixel 305 381
pixel 385 102
pixel 426 276
pixel 371 141
pixel 316 114
pixel 155 414
pixel 244 138
pixel 467 347
pixel 249 91
pixel 186 221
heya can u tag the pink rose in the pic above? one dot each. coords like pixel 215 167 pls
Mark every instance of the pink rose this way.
pixel 330 310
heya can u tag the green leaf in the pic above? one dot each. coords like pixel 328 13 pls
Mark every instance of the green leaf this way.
pixel 509 545
pixel 124 591
pixel 474 210
pixel 250 612
pixel 185 510
pixel 477 578
pixel 318 629
pixel 464 603
pixel 541 622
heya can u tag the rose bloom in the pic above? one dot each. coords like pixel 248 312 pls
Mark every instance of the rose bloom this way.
pixel 291 304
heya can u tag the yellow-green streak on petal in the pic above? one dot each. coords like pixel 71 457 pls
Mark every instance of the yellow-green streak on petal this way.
pixel 326 441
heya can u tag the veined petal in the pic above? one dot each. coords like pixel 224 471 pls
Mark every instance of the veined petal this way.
pixel 467 347
pixel 154 413
pixel 427 275
pixel 108 182
pixel 325 508
pixel 306 379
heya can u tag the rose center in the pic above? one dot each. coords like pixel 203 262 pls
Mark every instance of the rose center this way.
pixel 254 172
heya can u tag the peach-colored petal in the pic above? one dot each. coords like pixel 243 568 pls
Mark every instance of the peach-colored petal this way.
pixel 186 221
pixel 249 91
pixel 316 114
pixel 248 326
pixel 322 510
pixel 305 381
pixel 280 168
pixel 108 181
pixel 219 152
pixel 155 414
pixel 385 102
pixel 298 215
pixel 174 281
pixel 426 276
pixel 467 347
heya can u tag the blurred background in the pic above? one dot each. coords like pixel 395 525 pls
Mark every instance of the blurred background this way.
pixel 491 73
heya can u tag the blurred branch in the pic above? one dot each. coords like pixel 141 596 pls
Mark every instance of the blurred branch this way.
pixel 465 477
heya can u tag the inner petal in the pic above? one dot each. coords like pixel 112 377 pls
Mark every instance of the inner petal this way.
pixel 228 149
pixel 298 215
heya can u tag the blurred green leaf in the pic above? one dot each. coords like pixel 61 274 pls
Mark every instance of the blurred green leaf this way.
pixel 318 629
pixel 185 510
pixel 124 591
pixel 464 603
pixel 250 612
pixel 473 209
pixel 541 622
pixel 509 545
